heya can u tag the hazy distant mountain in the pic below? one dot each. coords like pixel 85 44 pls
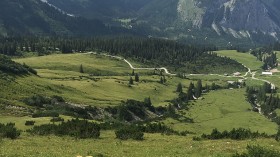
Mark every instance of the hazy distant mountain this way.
pixel 221 21
pixel 251 20
pixel 29 17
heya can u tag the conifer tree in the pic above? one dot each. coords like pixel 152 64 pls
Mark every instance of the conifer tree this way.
pixel 81 68
pixel 131 81
pixel 136 77
pixel 179 88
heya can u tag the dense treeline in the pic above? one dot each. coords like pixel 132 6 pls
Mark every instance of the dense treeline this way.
pixel 234 134
pixel 9 131
pixel 76 128
pixel 175 55
pixel 258 151
pixel 264 97
pixel 9 66
pixel 267 56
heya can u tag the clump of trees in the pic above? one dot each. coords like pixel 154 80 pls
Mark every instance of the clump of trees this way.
pixel 29 123
pixel 9 131
pixel 264 97
pixel 178 56
pixel 257 151
pixel 75 128
pixel 11 67
pixel 129 132
pixel 234 134
pixel 267 56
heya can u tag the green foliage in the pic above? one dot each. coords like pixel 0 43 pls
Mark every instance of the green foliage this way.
pixel 81 69
pixel 234 134
pixel 258 151
pixel 76 128
pixel 136 77
pixel 129 132
pixel 45 114
pixel 179 88
pixel 9 66
pixel 37 100
pixel 29 123
pixel 130 108
pixel 9 131
pixel 267 56
pixel 57 119
pixel 130 81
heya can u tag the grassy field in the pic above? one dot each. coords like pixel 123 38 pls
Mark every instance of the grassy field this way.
pixel 108 85
pixel 154 145
pixel 59 74
pixel 245 58
pixel 224 110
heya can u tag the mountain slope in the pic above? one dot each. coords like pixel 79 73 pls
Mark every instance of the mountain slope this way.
pixel 36 17
pixel 232 20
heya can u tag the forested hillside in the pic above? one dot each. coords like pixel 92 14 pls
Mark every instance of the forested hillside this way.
pixel 181 58
pixel 34 17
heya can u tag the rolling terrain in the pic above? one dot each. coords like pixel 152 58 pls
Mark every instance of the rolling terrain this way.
pixel 104 82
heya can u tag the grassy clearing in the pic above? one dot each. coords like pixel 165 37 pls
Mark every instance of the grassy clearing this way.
pixel 59 75
pixel 107 145
pixel 92 64
pixel 244 58
pixel 225 110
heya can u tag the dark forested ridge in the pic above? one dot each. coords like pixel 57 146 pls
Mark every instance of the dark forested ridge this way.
pixel 34 17
pixel 11 67
pixel 157 52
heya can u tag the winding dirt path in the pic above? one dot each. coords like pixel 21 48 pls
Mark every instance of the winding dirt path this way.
pixel 245 76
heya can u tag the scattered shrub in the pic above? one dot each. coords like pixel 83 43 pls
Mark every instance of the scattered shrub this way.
pixel 258 151
pixel 75 128
pixel 9 131
pixel 235 134
pixel 45 114
pixel 29 123
pixel 57 119
pixel 129 132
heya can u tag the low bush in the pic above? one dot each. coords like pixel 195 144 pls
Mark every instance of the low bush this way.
pixel 75 128
pixel 258 151
pixel 129 132
pixel 45 114
pixel 29 123
pixel 235 134
pixel 9 131
pixel 57 119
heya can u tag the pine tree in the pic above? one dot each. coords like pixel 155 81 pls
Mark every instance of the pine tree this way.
pixel 179 88
pixel 198 89
pixel 161 80
pixel 190 91
pixel 131 81
pixel 81 68
pixel 136 77
pixel 133 73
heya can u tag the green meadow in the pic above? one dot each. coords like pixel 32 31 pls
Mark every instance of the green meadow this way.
pixel 245 58
pixel 105 83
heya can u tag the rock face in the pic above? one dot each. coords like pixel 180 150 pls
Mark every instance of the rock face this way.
pixel 253 21
pixel 237 19
pixel 240 18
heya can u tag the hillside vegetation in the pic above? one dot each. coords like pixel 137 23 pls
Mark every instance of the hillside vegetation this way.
pixel 97 87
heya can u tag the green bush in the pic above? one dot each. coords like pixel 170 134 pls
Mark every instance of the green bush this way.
pixel 235 134
pixel 29 123
pixel 75 128
pixel 45 114
pixel 9 131
pixel 258 151
pixel 129 132
pixel 57 119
